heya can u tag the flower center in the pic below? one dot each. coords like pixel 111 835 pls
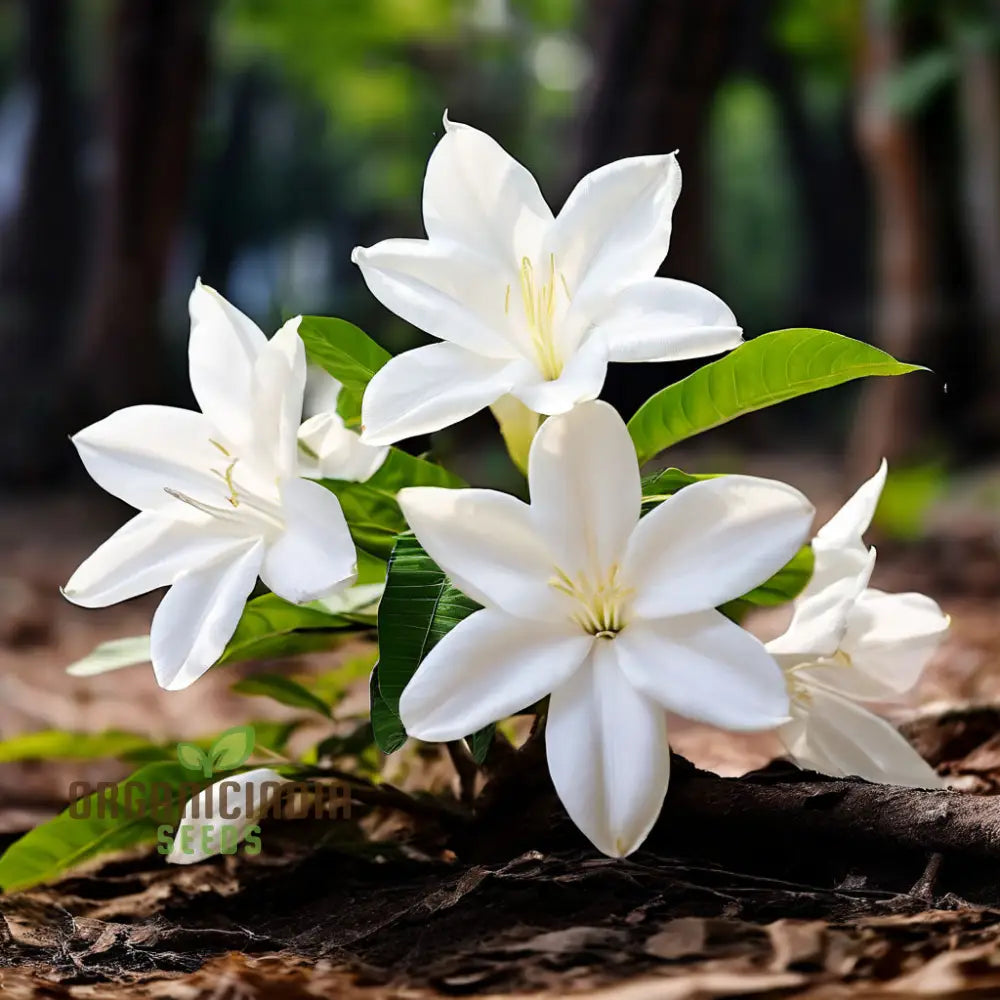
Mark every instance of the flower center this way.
pixel 237 505
pixel 540 299
pixel 601 601
pixel 798 690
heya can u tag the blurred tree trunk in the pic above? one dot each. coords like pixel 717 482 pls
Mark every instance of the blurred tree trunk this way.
pixel 660 63
pixel 979 100
pixel 226 218
pixel 40 247
pixel 889 419
pixel 156 78
pixel 829 183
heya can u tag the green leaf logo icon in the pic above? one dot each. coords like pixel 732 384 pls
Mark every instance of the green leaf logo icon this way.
pixel 230 750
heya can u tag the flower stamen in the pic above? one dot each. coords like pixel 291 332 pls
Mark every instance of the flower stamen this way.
pixel 601 603
pixel 539 300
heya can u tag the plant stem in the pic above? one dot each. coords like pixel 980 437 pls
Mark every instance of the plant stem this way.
pixel 466 768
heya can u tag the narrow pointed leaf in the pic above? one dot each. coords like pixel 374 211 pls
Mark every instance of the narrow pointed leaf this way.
pixel 150 798
pixel 283 690
pixel 766 370
pixel 54 744
pixel 272 627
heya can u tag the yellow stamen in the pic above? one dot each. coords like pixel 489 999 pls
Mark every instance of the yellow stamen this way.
pixel 601 603
pixel 539 302
pixel 227 478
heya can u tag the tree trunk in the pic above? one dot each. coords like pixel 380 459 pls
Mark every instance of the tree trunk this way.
pixel 979 100
pixel 889 416
pixel 157 74
pixel 40 249
pixel 659 65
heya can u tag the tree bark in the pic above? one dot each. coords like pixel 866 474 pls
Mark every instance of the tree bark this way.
pixel 889 416
pixel 659 65
pixel 979 101
pixel 40 249
pixel 156 79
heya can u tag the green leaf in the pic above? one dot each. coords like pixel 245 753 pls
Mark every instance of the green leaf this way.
pixel 480 743
pixel 283 690
pixel 387 729
pixel 193 758
pixel 766 370
pixel 371 509
pixel 657 487
pixel 419 606
pixel 99 824
pixel 233 748
pixel 332 686
pixel 781 588
pixel 349 407
pixel 348 354
pixel 274 735
pixel 112 655
pixel 54 744
pixel 272 627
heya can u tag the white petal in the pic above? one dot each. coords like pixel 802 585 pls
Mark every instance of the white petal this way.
pixel 847 526
pixel 321 393
pixel 488 544
pixel 279 382
pixel 429 388
pixel 585 487
pixel 581 380
pixel 476 194
pixel 486 668
pixel 615 226
pixel 706 668
pixel 138 453
pixel 889 639
pixel 608 754
pixel 819 621
pixel 149 551
pixel 328 450
pixel 444 289
pixel 834 736
pixel 315 554
pixel 713 541
pixel 218 818
pixel 221 353
pixel 834 564
pixel 662 319
pixel 198 616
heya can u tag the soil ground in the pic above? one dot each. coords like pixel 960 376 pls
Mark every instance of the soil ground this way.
pixel 827 901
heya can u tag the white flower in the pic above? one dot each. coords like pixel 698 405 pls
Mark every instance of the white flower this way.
pixel 524 302
pixel 848 643
pixel 612 616
pixel 219 498
pixel 327 448
pixel 219 817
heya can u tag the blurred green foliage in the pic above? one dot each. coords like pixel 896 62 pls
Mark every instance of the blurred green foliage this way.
pixel 755 224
